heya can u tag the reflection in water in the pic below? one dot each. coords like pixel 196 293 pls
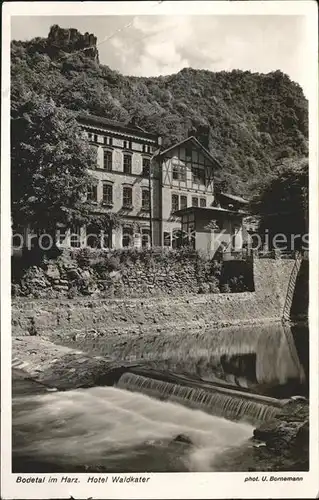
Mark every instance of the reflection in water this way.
pixel 118 431
pixel 263 359
pixel 111 429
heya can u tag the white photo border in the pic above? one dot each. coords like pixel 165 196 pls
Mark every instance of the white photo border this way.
pixel 161 485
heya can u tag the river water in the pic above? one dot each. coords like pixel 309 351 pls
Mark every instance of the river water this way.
pixel 122 429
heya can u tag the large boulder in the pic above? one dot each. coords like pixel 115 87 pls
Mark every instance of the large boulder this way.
pixel 182 438
pixel 52 272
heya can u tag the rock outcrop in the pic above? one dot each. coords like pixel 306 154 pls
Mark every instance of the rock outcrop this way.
pixel 71 40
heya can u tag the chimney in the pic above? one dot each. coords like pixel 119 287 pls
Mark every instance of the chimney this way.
pixel 201 133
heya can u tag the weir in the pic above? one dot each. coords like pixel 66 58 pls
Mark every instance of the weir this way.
pixel 220 402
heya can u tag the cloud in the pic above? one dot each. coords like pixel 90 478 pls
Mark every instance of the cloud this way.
pixel 158 45
pixel 153 45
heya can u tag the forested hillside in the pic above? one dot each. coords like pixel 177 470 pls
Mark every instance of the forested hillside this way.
pixel 254 119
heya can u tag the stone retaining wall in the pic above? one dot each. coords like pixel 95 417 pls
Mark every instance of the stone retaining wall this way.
pixel 128 274
pixel 146 315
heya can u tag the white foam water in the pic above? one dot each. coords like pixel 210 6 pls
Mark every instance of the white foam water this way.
pixel 222 404
pixel 119 431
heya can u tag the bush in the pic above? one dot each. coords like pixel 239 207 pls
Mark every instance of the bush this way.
pixel 225 288
pixel 214 285
pixel 83 257
pixel 113 263
pixel 237 284
pixel 72 292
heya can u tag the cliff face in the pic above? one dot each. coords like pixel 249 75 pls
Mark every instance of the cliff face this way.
pixel 71 40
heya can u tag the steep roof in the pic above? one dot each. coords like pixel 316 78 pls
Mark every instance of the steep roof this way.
pixel 195 142
pixel 208 210
pixel 239 199
pixel 102 121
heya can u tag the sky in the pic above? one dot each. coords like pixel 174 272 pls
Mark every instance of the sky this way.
pixel 153 45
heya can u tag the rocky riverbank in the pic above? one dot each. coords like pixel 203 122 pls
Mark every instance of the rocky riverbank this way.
pixel 279 445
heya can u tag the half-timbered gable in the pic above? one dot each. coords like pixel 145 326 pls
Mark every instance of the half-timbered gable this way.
pixel 187 172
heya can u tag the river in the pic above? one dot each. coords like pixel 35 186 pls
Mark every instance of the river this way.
pixel 123 429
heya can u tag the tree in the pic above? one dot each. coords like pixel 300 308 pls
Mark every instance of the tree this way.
pixel 282 200
pixel 50 162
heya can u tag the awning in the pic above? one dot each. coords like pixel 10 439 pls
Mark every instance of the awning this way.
pixel 207 211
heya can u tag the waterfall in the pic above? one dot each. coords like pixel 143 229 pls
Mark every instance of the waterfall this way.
pixel 213 400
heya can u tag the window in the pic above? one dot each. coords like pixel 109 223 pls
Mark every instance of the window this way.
pixel 175 202
pixel 146 167
pixel 95 138
pixel 110 141
pixel 188 230
pixel 167 239
pixel 107 194
pixel 145 199
pixel 183 202
pixel 198 175
pixel 61 235
pixel 179 172
pixel 175 172
pixel 75 237
pixel 202 202
pixel 127 197
pixel 188 153
pixel 194 201
pixel 90 136
pixel 127 164
pixel 146 238
pixel 105 140
pixel 92 194
pixel 127 144
pixel 108 160
pixel 106 239
pixel 177 238
pixel 127 237
pixel 93 236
